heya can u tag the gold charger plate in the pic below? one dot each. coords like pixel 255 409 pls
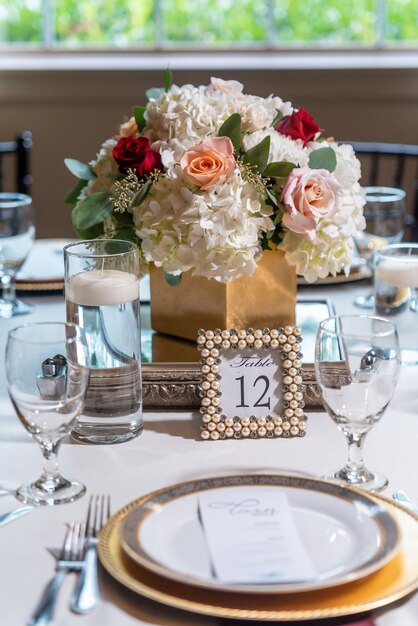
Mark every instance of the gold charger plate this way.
pixel 392 583
pixel 45 285
pixel 358 272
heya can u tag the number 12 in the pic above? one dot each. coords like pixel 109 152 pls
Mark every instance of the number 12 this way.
pixel 264 392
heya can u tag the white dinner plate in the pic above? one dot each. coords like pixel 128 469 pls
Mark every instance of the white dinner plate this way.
pixel 43 270
pixel 346 534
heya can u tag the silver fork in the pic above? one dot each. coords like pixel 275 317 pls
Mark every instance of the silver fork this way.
pixel 69 559
pixel 86 593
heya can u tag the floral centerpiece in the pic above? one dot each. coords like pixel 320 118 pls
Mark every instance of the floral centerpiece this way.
pixel 205 179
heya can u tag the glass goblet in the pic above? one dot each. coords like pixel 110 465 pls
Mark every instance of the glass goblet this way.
pixel 47 374
pixel 356 364
pixel 17 235
pixel 384 212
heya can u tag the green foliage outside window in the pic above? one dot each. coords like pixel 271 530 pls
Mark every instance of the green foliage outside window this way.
pixel 207 23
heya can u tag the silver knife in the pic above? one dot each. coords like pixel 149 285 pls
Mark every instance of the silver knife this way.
pixel 10 516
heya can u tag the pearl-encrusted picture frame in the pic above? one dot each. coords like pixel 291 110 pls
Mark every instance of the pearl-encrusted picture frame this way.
pixel 251 383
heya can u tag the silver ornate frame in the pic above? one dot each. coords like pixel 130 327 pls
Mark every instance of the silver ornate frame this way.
pixel 176 385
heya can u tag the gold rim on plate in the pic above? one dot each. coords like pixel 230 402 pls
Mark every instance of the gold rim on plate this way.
pixel 352 507
pixel 393 582
pixel 40 285
pixel 357 273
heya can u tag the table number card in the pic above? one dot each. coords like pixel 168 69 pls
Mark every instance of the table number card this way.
pixel 251 383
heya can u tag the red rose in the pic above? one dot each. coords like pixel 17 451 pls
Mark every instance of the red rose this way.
pixel 299 125
pixel 135 153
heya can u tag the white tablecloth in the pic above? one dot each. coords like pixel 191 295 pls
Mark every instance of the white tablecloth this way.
pixel 169 451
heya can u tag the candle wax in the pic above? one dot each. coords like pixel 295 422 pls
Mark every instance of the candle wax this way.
pixel 102 288
pixel 398 272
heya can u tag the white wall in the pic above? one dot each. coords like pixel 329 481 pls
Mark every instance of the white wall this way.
pixel 71 112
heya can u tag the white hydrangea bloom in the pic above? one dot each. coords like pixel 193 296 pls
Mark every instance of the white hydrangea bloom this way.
pixel 214 232
pixel 281 148
pixel 105 167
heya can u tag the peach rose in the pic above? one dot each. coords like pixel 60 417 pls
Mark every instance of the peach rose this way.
pixel 129 128
pixel 209 163
pixel 309 195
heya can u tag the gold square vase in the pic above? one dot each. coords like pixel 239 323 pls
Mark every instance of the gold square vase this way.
pixel 266 299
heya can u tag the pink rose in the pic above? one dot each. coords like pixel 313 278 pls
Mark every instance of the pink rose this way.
pixel 309 195
pixel 209 163
pixel 231 87
pixel 129 128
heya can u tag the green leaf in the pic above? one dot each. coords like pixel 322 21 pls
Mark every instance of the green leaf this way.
pixel 117 247
pixel 127 234
pixel 141 194
pixel 124 219
pixel 277 118
pixel 93 210
pixel 258 156
pixel 232 128
pixel 172 279
pixel 90 233
pixel 265 244
pixel 279 169
pixel 323 158
pixel 168 79
pixel 79 169
pixel 272 197
pixel 154 93
pixel 72 195
pixel 139 115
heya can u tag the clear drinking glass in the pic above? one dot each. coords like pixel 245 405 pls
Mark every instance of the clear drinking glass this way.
pixel 47 373
pixel 17 235
pixel 396 294
pixel 384 212
pixel 102 296
pixel 356 365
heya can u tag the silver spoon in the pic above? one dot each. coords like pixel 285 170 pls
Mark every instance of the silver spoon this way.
pixel 10 516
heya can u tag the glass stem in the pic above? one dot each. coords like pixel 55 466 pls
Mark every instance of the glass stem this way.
pixel 355 461
pixel 8 288
pixel 50 479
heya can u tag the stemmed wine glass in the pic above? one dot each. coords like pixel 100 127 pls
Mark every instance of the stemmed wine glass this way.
pixel 17 235
pixel 47 373
pixel 356 363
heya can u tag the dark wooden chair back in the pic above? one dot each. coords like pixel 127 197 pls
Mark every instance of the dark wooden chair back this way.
pixel 18 151
pixel 392 165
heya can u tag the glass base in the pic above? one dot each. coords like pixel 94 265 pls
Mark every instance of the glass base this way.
pixel 104 433
pixel 371 481
pixel 10 309
pixel 364 302
pixel 32 493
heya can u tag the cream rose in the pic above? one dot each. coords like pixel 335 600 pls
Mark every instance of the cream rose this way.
pixel 129 128
pixel 230 87
pixel 209 163
pixel 308 196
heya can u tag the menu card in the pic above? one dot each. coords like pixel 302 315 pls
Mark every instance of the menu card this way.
pixel 252 536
